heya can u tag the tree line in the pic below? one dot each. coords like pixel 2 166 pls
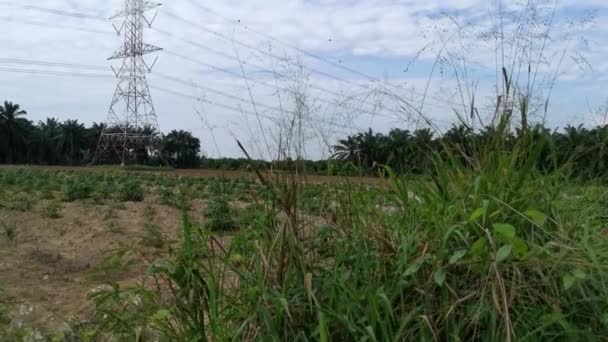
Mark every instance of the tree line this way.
pixel 581 151
pixel 52 142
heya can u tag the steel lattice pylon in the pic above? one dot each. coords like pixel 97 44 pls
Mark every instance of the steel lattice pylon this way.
pixel 131 129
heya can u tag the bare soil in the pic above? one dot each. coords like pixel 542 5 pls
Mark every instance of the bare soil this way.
pixel 50 267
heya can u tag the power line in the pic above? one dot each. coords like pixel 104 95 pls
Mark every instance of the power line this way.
pixel 54 73
pixel 251 47
pixel 211 90
pixel 300 50
pixel 54 11
pixel 217 104
pixel 58 26
pixel 236 98
pixel 313 70
pixel 261 68
pixel 271 86
pixel 51 64
pixel 224 106
pixel 308 53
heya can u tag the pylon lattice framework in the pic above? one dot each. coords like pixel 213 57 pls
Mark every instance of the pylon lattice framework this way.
pixel 132 125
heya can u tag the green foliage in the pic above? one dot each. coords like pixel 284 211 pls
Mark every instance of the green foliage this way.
pixel 130 191
pixel 52 210
pixel 182 149
pixel 153 236
pixel 113 266
pixel 179 200
pixel 76 189
pixel 219 215
pixel 18 202
pixel 481 253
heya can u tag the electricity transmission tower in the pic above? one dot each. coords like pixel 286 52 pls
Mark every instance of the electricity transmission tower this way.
pixel 131 130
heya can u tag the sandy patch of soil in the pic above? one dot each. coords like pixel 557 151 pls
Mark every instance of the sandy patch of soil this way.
pixel 51 265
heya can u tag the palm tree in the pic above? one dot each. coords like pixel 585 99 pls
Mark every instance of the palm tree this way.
pixel 150 147
pixel 73 136
pixel 346 149
pixel 182 148
pixel 13 129
pixel 400 149
pixel 47 137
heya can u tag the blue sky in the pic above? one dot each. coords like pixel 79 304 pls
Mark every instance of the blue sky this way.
pixel 367 47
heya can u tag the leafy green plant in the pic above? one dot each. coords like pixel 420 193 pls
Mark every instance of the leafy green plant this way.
pixel 130 191
pixel 219 215
pixel 153 236
pixel 76 189
pixel 52 210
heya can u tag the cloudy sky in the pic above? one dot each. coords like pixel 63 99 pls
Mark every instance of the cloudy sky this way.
pixel 351 64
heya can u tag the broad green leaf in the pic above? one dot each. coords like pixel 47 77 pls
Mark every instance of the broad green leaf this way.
pixel 162 315
pixel 413 269
pixel 537 217
pixel 503 253
pixel 457 256
pixel 578 274
pixel 439 277
pixel 479 248
pixel 477 214
pixel 569 281
pixel 520 247
pixel 504 231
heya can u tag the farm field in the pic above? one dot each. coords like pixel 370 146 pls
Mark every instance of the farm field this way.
pixel 91 253
pixel 68 232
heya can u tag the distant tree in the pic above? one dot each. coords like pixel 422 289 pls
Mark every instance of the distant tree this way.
pixel 73 136
pixel 47 142
pixel 182 149
pixel 14 132
pixel 346 149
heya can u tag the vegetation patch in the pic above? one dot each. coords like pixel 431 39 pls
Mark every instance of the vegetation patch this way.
pixel 219 215
pixel 130 191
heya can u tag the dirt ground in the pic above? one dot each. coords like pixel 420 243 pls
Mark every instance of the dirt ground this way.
pixel 51 266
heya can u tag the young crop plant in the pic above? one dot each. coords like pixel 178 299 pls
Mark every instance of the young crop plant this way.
pixel 76 189
pixel 52 210
pixel 19 202
pixel 219 215
pixel 130 190
pixel 153 236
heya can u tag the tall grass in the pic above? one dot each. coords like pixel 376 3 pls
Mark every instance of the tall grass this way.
pixel 488 252
pixel 487 248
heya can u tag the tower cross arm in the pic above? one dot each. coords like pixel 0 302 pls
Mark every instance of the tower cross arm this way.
pixel 146 6
pixel 125 52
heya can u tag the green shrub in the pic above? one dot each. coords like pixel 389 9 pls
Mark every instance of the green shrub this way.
pixel 130 191
pixel 219 215
pixel 76 189
pixel 153 236
pixel 20 202
pixel 181 200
